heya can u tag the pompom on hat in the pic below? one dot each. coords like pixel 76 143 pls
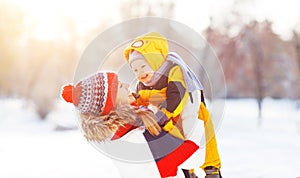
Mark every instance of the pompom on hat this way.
pixel 95 94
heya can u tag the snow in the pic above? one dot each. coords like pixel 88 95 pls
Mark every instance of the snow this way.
pixel 249 148
pixel 268 150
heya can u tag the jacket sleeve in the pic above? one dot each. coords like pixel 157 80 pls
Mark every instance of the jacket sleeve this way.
pixel 176 94
pixel 123 130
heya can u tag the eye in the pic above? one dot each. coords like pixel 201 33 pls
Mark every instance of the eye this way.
pixel 143 66
pixel 135 70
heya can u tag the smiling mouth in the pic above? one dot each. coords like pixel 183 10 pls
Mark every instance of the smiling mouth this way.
pixel 143 78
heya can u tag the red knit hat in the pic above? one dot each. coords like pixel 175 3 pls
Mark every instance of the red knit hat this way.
pixel 95 94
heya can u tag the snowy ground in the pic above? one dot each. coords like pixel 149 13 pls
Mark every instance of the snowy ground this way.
pixel 30 148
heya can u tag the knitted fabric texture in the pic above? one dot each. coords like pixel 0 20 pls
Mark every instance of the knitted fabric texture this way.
pixel 95 94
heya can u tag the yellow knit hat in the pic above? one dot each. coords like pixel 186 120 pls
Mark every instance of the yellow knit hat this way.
pixel 153 46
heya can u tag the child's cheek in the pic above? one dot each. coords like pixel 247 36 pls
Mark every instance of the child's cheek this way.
pixel 140 78
pixel 150 76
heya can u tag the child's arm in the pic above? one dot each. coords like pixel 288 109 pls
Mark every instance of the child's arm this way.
pixel 176 94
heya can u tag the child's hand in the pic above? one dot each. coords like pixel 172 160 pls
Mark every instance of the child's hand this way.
pixel 131 99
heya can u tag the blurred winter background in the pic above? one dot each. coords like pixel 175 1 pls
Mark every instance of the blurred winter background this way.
pixel 256 41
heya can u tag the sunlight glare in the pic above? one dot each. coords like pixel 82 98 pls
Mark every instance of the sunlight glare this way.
pixel 49 20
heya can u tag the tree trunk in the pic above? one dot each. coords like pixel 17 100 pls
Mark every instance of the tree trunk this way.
pixel 258 55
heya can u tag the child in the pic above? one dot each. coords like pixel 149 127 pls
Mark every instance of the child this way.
pixel 106 115
pixel 168 85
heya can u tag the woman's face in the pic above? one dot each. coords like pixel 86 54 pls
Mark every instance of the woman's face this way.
pixel 142 70
pixel 122 95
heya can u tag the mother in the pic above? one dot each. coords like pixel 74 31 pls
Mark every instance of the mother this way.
pixel 106 115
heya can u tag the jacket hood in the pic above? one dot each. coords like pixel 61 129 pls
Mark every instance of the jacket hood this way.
pixel 153 46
